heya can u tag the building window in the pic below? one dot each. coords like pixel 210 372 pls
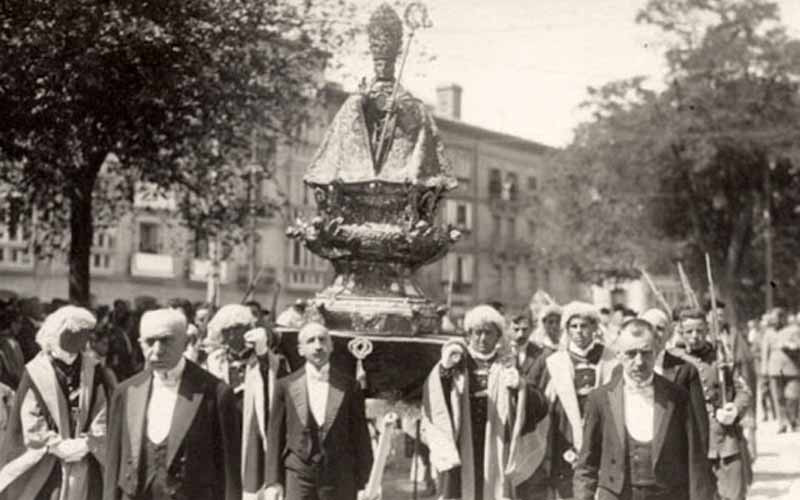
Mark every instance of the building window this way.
pixel 497 229
pixel 458 214
pixel 511 233
pixel 533 184
pixel 512 186
pixel 461 214
pixel 200 245
pixel 512 274
pixel 296 253
pixel 495 183
pixel 149 237
pixel 531 230
pixel 464 268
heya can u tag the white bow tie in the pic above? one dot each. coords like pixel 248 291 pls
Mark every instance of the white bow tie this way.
pixel 644 389
pixel 322 375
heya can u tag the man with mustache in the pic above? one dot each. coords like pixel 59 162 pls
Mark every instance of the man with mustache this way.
pixel 640 439
pixel 319 443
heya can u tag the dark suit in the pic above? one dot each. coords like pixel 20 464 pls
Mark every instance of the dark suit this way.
pixel 331 461
pixel 680 466
pixel 204 442
pixel 532 354
pixel 682 372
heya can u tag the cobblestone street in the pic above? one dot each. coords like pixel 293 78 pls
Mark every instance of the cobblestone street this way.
pixel 777 470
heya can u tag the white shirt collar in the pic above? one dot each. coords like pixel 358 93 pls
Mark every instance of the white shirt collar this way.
pixel 634 386
pixel 171 376
pixel 315 373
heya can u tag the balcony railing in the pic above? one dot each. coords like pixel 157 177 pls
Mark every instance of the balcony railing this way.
pixel 15 256
pixel 305 279
pixel 152 265
pixel 101 263
pixel 201 268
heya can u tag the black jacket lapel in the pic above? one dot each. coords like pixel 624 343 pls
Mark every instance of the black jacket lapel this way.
pixel 190 395
pixel 664 406
pixel 336 391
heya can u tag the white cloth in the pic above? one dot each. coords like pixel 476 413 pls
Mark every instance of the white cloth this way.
pixel 639 409
pixel 581 352
pixel 318 386
pixel 659 365
pixel 162 401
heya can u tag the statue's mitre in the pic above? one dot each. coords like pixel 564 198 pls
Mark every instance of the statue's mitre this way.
pixel 385 32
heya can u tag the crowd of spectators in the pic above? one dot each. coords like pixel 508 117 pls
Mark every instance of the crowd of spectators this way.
pixel 115 340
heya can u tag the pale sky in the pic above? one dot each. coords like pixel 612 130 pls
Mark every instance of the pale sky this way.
pixel 525 64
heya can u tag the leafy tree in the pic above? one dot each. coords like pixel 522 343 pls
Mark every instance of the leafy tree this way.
pixel 172 89
pixel 688 163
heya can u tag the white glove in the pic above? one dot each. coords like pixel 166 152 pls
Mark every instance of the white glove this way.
pixel 362 495
pixel 510 378
pixel 273 492
pixel 257 337
pixel 451 355
pixel 727 414
pixel 70 450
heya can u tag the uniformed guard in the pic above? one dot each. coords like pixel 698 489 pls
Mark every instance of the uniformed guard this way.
pixel 727 400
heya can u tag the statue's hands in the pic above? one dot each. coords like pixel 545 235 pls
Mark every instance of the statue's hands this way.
pixel 727 414
pixel 510 378
pixel 257 337
pixel 451 355
pixel 273 492
pixel 70 450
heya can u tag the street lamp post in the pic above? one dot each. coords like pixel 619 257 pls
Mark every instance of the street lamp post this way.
pixel 252 187
pixel 768 264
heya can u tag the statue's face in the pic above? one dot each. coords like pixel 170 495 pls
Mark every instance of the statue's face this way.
pixel 384 69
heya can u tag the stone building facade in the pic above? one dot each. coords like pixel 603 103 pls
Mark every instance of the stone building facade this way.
pixel 500 178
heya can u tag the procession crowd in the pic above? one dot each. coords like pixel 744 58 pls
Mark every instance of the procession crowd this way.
pixel 181 401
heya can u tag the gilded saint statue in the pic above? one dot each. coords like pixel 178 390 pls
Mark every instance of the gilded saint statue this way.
pixel 382 133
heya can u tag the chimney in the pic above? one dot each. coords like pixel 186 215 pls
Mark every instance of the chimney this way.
pixel 448 101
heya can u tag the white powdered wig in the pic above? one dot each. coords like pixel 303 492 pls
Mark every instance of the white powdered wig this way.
pixel 229 316
pixel 549 310
pixel 63 319
pixel 482 315
pixel 579 309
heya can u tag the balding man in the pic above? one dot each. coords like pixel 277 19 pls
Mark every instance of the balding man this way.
pixel 319 444
pixel 640 439
pixel 175 431
pixel 674 365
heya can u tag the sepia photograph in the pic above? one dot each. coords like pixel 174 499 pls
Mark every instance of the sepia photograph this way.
pixel 400 250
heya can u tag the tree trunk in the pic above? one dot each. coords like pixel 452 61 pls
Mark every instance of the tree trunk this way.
pixel 740 240
pixel 81 236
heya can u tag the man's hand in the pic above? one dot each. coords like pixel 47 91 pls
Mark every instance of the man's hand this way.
pixel 727 414
pixel 451 355
pixel 70 450
pixel 273 492
pixel 257 337
pixel 510 378
pixel 362 495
